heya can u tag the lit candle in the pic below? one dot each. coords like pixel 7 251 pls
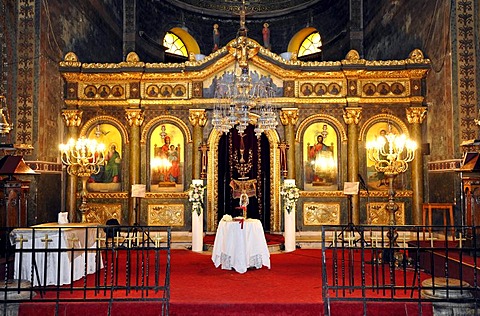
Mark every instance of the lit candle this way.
pixel 404 241
pixel 431 241
pixel 460 245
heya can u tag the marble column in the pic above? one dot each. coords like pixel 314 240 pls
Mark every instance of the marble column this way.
pixel 135 119
pixel 289 117
pixel 73 119
pixel 198 119
pixel 351 116
pixel 416 116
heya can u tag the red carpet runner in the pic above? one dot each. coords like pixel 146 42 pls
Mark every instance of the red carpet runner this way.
pixel 293 286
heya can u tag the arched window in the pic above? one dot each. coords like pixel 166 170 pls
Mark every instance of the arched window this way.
pixel 174 44
pixel 311 44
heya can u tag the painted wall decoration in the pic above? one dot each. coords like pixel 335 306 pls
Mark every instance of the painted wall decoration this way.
pixel 320 154
pixel 167 145
pixel 110 177
pixel 227 77
pixel 376 180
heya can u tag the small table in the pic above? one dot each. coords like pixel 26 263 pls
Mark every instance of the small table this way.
pixel 444 207
pixel 63 253
pixel 240 244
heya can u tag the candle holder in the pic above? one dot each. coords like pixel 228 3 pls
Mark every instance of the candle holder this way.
pixel 391 154
pixel 83 158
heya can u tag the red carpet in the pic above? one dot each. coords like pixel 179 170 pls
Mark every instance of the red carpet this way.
pixel 293 286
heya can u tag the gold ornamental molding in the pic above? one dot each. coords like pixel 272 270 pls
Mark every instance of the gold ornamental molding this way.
pixel 166 195
pixel 134 117
pixel 197 117
pixel 289 116
pixel 72 118
pixel 322 194
pixel 416 115
pixel 384 117
pixel 352 115
pixel 90 124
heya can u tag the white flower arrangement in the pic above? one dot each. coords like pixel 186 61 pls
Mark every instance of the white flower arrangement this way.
pixel 195 196
pixel 290 194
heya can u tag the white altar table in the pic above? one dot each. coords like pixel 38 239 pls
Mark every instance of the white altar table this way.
pixel 63 253
pixel 240 245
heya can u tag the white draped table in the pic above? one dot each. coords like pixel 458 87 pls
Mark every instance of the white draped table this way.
pixel 240 245
pixel 70 252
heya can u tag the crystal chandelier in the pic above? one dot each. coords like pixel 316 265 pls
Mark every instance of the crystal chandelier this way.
pixel 241 97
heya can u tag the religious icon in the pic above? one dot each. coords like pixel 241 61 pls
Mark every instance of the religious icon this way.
pixel 166 157
pixel 320 161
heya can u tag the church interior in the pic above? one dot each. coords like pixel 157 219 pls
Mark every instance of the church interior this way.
pixel 341 112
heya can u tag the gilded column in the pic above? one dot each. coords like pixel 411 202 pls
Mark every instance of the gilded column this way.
pixel 73 119
pixel 289 117
pixel 135 119
pixel 415 116
pixel 198 119
pixel 351 116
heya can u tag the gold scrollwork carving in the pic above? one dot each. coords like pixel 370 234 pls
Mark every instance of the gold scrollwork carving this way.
pixel 72 118
pixel 134 116
pixel 315 213
pixel 197 117
pixel 416 115
pixel 352 115
pixel 289 116
pixel 377 213
pixel 166 215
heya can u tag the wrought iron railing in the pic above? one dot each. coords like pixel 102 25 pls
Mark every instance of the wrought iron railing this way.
pixel 75 263
pixel 419 265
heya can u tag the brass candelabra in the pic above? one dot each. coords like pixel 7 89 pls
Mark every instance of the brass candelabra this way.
pixel 83 157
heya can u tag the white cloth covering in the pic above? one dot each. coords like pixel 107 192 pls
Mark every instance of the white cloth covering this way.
pixel 45 268
pixel 240 248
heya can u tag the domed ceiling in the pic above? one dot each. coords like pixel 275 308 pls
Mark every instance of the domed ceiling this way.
pixel 254 8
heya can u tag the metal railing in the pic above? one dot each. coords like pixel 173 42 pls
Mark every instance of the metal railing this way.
pixel 75 263
pixel 411 264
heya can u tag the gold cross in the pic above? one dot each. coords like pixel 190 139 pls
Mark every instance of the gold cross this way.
pixel 21 240
pixel 46 240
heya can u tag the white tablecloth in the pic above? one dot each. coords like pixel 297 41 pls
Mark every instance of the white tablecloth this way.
pixel 72 236
pixel 240 245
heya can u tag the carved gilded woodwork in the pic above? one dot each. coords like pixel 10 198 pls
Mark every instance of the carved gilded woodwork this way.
pixel 197 117
pixel 166 215
pixel 289 116
pixel 72 117
pixel 134 117
pixel 416 115
pixel 315 213
pixel 137 87
pixel 100 213
pixel 352 115
pixel 377 213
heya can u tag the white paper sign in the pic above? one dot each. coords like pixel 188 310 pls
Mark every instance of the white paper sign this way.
pixel 138 190
pixel 350 188
pixel 63 218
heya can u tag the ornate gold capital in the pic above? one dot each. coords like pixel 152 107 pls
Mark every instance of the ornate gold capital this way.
pixel 134 116
pixel 289 116
pixel 197 116
pixel 352 115
pixel 416 115
pixel 72 118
